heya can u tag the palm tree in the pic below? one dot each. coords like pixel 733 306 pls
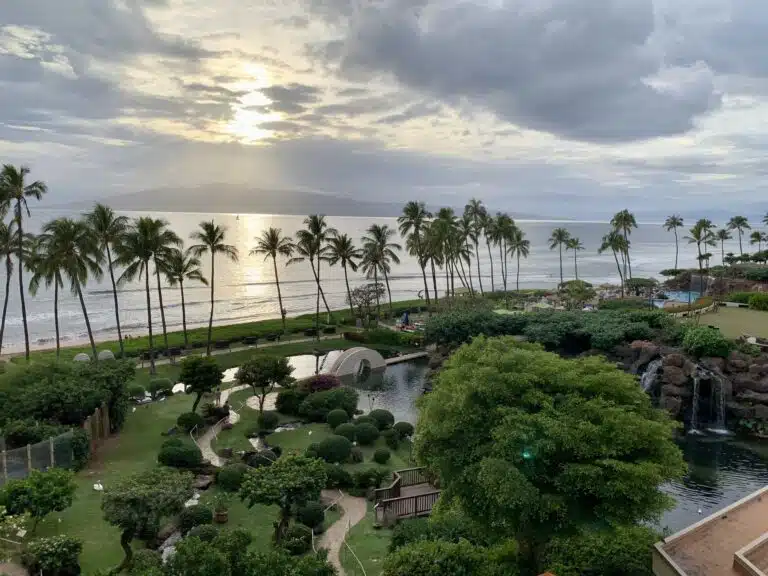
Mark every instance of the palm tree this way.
pixel 487 224
pixel 8 247
pixel 73 249
pixel 623 222
pixel 758 238
pixel 164 240
pixel 370 265
pixel 701 235
pixel 46 265
pixel 739 223
pixel 272 244
pixel 342 249
pixel 722 235
pixel 615 242
pixel 432 249
pixel 313 242
pixel 673 223
pixel 377 240
pixel 518 246
pixel 179 266
pixel 443 232
pixel 476 214
pixel 210 239
pixel 412 225
pixel 503 231
pixel 575 245
pixel 108 228
pixel 13 188
pixel 464 233
pixel 557 239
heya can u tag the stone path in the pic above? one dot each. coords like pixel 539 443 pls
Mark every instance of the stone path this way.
pixel 204 442
pixel 333 539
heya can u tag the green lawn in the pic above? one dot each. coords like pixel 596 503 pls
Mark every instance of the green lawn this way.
pixel 369 544
pixel 733 322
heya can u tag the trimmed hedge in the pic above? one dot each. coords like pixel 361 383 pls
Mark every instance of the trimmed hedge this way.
pixel 289 400
pixel 337 477
pixel 312 515
pixel 383 418
pixel 347 430
pixel 317 406
pixel 320 383
pixel 391 438
pixel 381 456
pixel 230 477
pixel 758 301
pixel 404 429
pixel 366 434
pixel 336 418
pixel 268 420
pixel 194 516
pixel 136 392
pixel 188 420
pixel 160 387
pixel 204 532
pixel 179 453
pixel 334 449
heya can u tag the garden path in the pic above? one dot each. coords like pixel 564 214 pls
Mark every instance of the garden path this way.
pixel 333 539
pixel 204 442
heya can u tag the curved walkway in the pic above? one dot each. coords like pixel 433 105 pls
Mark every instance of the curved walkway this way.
pixel 204 442
pixel 333 539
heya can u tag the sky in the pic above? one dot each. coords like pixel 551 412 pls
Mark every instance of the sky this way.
pixel 567 108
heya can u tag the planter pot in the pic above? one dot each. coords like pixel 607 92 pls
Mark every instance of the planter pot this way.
pixel 221 516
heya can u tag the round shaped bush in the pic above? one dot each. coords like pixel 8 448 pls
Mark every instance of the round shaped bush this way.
pixel 159 387
pixel 383 418
pixel 289 399
pixel 347 430
pixel 230 477
pixel 700 341
pixel 181 455
pixel 297 540
pixel 365 420
pixel 336 418
pixel 312 515
pixel 136 391
pixel 144 561
pixel 337 477
pixel 334 449
pixel 392 438
pixel 189 420
pixel 381 456
pixel 404 429
pixel 366 434
pixel 206 532
pixel 268 420
pixel 194 516
pixel 313 450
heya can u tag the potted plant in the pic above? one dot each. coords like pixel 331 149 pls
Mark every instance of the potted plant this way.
pixel 221 508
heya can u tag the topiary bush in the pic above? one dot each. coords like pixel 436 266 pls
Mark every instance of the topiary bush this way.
pixel 364 420
pixel 320 383
pixel 188 420
pixel 404 429
pixel 347 430
pixel 336 418
pixel 383 418
pixel 317 406
pixel 337 477
pixel 701 341
pixel 312 515
pixel 54 556
pixel 179 453
pixel 313 450
pixel 758 302
pixel 160 387
pixel 391 438
pixel 145 561
pixel 136 392
pixel 230 477
pixel 381 456
pixel 366 434
pixel 369 478
pixel 205 532
pixel 334 449
pixel 194 516
pixel 268 421
pixel 356 456
pixel 297 540
pixel 289 400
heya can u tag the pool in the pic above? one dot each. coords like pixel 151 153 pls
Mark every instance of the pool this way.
pixel 683 296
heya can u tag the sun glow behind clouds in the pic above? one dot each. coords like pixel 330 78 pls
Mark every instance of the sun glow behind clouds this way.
pixel 252 110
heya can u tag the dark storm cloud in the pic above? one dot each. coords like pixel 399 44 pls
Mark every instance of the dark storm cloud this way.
pixel 291 98
pixel 418 110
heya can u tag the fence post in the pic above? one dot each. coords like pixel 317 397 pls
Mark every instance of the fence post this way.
pixel 50 449
pixel 29 457
pixel 5 465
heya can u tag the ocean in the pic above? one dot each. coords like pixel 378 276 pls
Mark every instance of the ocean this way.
pixel 245 291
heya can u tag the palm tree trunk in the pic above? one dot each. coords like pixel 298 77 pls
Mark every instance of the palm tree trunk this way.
pixel 376 283
pixel 152 369
pixel 676 246
pixel 447 283
pixel 517 281
pixel 501 260
pixel 423 264
pixel 349 292
pixel 87 321
pixel 629 262
pixel 490 258
pixel 56 316
pixel 317 302
pixel 479 277
pixel 469 275
pixel 575 265
pixel 183 313
pixel 741 250
pixel 8 272
pixel 20 257
pixel 722 252
pixel 162 308
pixel 117 309
pixel 279 295
pixel 389 292
pixel 210 318
pixel 561 263
pixel 618 267
pixel 434 282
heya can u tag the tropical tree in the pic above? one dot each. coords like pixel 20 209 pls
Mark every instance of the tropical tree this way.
pixel 574 244
pixel 164 240
pixel 342 250
pixel 74 246
pixel 477 216
pixel 201 375
pixel 210 240
pixel 465 236
pixel 701 234
pixel 615 242
pixel 557 240
pixel 272 244
pixel 443 231
pixel 740 224
pixel 673 223
pixel 518 246
pixel 377 240
pixel 15 189
pixel 316 236
pixel 370 264
pixel 8 247
pixel 412 225
pixel 758 238
pixel 488 222
pixel 263 373
pixel 433 253
pixel 178 266
pixel 722 235
pixel 623 222
pixel 46 266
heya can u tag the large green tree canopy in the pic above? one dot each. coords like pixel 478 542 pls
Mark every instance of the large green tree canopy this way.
pixel 530 444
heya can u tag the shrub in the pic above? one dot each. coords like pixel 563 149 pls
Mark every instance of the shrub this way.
pixel 19 433
pixel 739 297
pixel 194 516
pixel 347 430
pixel 700 341
pixel 180 454
pixel 313 450
pixel 758 302
pixel 370 478
pixel 404 429
pixel 160 387
pixel 625 304
pixel 410 531
pixel 213 413
pixel 320 383
pixel 145 561
pixel 81 448
pixel 381 456
pixel 268 421
pixel 297 540
pixel 289 401
pixel 336 418
pixel 136 392
pixel 188 420
pixel 317 406
pixel 261 459
pixel 312 515
pixel 366 434
pixel 364 420
pixel 356 455
pixel 230 477
pixel 383 336
pixel 205 532
pixel 334 449
pixel 337 477
pixel 54 556
pixel 391 438
pixel 383 418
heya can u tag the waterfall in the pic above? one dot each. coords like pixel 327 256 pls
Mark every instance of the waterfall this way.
pixel 720 424
pixel 649 377
pixel 695 408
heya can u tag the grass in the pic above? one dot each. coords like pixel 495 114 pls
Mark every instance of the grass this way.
pixel 369 544
pixel 733 322
pixel 258 520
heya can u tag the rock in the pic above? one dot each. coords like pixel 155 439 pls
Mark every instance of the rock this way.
pixel 444 350
pixel 676 360
pixel 674 375
pixel 203 482
pixel 435 362
pixel 755 397
pixel 743 381
pixel 740 410
pixel 758 370
pixel 679 391
pixel 714 364
pixel 166 532
pixel 761 412
pixel 171 541
pixel 737 363
pixel 672 404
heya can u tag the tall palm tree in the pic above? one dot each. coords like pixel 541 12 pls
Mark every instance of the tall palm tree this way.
pixel 487 224
pixel 722 235
pixel 46 265
pixel 178 266
pixel 518 246
pixel 615 242
pixel 557 240
pixel 701 235
pixel 74 246
pixel 313 241
pixel 740 224
pixel 210 240
pixel 623 222
pixel 370 265
pixel 673 223
pixel 443 230
pixel 477 215
pixel 164 240
pixel 272 244
pixel 412 224
pixel 575 245
pixel 108 228
pixel 465 234
pixel 758 238
pixel 8 247
pixel 432 249
pixel 377 239
pixel 503 231
pixel 14 189
pixel 342 250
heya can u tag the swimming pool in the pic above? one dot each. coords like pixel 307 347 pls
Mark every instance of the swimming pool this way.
pixel 683 296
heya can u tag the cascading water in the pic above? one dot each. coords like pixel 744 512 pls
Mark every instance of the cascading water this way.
pixel 651 375
pixel 720 424
pixel 695 405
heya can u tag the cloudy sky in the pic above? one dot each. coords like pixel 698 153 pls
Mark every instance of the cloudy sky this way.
pixel 553 107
